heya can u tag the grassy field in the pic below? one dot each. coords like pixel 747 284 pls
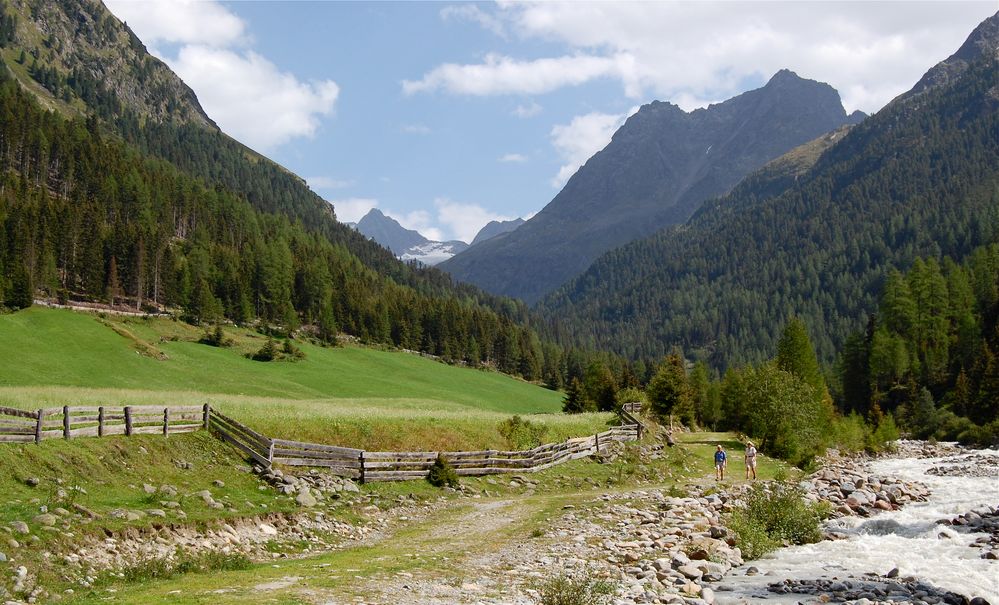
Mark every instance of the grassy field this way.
pixel 349 395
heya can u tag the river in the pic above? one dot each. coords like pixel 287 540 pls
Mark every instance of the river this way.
pixel 909 539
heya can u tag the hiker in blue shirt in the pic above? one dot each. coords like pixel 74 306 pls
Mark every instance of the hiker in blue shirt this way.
pixel 721 460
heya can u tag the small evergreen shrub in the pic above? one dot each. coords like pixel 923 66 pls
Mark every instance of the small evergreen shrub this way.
pixel 268 352
pixel 442 473
pixel 565 589
pixel 216 338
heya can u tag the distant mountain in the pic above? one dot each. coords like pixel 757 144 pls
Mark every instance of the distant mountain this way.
pixel 813 234
pixel 406 244
pixel 495 228
pixel 658 168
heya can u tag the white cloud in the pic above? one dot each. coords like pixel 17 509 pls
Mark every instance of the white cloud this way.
pixel 471 12
pixel 247 95
pixel 527 111
pixel 353 209
pixel 464 221
pixel 515 158
pixel 251 98
pixel 327 182
pixel 694 53
pixel 578 140
pixel 180 21
pixel 504 75
pixel 416 129
pixel 419 220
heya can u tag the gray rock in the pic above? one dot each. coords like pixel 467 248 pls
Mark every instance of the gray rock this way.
pixel 20 527
pixel 690 571
pixel 306 499
pixel 46 519
pixel 149 489
pixel 32 481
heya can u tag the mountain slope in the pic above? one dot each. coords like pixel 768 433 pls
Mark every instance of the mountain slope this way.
pixel 80 59
pixel 920 178
pixel 130 201
pixel 496 228
pixel 659 166
pixel 406 244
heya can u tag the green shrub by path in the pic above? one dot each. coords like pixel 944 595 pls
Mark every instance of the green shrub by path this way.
pixel 774 514
pixel 442 474
pixel 565 589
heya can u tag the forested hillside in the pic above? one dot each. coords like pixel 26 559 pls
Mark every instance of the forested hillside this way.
pixel 920 178
pixel 117 197
pixel 929 354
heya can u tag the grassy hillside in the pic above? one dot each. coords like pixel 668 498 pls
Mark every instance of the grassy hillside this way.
pixel 348 395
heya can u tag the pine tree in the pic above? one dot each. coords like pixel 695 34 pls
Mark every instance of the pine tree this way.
pixel 573 402
pixel 21 294
pixel 668 391
pixel 796 355
pixel 114 285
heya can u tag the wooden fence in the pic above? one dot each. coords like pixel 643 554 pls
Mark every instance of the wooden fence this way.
pixel 78 421
pixel 67 422
pixel 400 466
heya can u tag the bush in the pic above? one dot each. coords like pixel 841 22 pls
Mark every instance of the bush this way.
pixel 291 351
pixel 216 338
pixel 564 589
pixel 522 434
pixel 268 352
pixel 442 473
pixel 884 434
pixel 774 514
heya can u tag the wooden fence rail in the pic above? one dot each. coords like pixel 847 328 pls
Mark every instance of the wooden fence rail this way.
pixel 69 422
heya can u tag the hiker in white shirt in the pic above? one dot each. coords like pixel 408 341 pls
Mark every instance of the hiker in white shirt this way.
pixel 750 459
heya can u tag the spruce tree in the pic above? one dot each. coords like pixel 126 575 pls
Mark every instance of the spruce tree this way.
pixel 669 392
pixel 796 355
pixel 573 402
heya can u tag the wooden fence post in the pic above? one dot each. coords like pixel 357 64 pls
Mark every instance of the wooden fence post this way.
pixel 100 421
pixel 166 422
pixel 65 422
pixel 270 454
pixel 38 426
pixel 128 421
pixel 360 457
pixel 596 440
pixel 207 414
pixel 638 429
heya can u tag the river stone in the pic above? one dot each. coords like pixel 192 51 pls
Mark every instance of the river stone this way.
pixel 149 489
pixel 20 527
pixel 691 571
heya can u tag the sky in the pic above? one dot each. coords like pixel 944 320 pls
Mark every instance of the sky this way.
pixel 446 115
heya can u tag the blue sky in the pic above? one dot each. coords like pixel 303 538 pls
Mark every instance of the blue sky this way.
pixel 447 115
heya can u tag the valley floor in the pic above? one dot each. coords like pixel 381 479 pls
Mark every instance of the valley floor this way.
pixel 493 545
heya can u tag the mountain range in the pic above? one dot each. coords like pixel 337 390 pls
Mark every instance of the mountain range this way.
pixel 410 245
pixel 813 234
pixel 657 169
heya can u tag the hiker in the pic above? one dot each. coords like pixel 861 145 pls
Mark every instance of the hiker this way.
pixel 720 461
pixel 750 459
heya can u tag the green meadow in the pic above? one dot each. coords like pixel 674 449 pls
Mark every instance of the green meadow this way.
pixel 350 395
